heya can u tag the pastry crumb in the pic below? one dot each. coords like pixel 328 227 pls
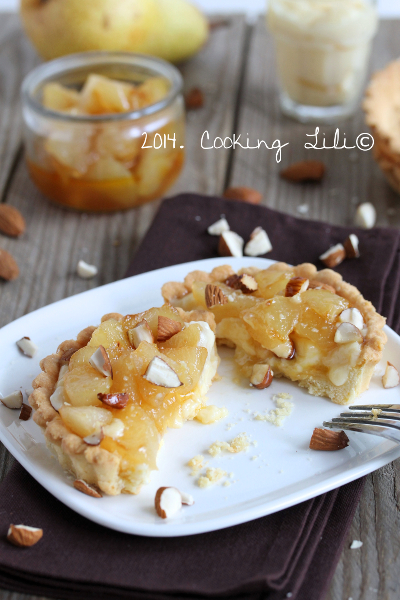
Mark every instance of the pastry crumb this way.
pixel 213 475
pixel 376 412
pixel 239 444
pixel 197 462
pixel 277 415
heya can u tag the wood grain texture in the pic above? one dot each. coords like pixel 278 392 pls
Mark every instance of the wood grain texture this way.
pixel 236 72
pixel 17 58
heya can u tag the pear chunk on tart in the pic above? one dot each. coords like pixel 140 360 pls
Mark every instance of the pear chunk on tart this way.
pixel 105 399
pixel 309 326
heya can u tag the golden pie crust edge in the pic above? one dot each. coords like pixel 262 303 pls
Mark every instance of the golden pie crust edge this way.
pixel 374 339
pixel 382 109
pixel 93 464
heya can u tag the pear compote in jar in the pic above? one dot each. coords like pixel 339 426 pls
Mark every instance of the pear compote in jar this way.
pixel 104 130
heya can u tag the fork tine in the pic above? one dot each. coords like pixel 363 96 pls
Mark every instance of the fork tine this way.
pixel 389 431
pixel 367 414
pixel 387 407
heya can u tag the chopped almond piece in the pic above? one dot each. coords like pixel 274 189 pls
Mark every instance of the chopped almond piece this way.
pixel 325 439
pixel 246 283
pixel 167 328
pixel 230 244
pixel 391 377
pixel 116 400
pixel 296 285
pixel 334 256
pixel 214 295
pixel 87 489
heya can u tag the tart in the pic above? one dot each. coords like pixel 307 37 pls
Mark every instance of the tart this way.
pixel 105 399
pixel 382 108
pixel 307 325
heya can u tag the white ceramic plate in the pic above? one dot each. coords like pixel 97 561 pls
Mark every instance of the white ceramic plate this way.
pixel 277 471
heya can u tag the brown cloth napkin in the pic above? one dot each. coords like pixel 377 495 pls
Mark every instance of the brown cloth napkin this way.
pixel 290 554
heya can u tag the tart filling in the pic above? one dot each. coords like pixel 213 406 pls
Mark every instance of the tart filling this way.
pixel 106 399
pixel 308 326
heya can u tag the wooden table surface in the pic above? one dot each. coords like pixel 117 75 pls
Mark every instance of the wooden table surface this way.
pixel 236 72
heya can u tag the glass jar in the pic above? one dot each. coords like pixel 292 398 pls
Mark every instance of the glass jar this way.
pixel 104 162
pixel 322 50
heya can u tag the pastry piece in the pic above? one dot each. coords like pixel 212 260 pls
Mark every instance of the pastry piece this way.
pixel 382 108
pixel 105 426
pixel 311 337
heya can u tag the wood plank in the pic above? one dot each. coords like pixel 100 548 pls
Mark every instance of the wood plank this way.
pixel 352 175
pixel 17 58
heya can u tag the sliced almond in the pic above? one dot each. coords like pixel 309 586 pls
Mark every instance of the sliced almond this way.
pixel 94 439
pixel 230 244
pixel 160 373
pixel 116 400
pixel 305 170
pixel 140 333
pixel 334 256
pixel 353 316
pixel 85 488
pixel 347 333
pixel 246 283
pixel 194 99
pixel 8 267
pixel 26 412
pixel 326 439
pixel 365 216
pixel 296 285
pixel 258 244
pixel 57 398
pixel 214 295
pixel 168 501
pixel 86 271
pixel 391 377
pixel 167 328
pixel 351 246
pixel 101 361
pixel 11 221
pixel 187 499
pixel 13 400
pixel 318 285
pixel 27 347
pixel 24 536
pixel 243 194
pixel 261 376
pixel 219 227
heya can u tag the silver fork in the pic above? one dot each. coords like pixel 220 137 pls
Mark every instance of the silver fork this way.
pixel 385 424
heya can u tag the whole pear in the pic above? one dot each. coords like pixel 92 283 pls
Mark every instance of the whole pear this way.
pixel 171 29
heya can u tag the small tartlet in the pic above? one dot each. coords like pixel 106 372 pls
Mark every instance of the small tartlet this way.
pixel 231 332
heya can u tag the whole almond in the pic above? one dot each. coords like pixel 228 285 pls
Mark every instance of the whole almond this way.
pixel 8 267
pixel 243 194
pixel 194 99
pixel 11 221
pixel 305 170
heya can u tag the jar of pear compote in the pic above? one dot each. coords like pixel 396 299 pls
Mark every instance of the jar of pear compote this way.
pixel 104 131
